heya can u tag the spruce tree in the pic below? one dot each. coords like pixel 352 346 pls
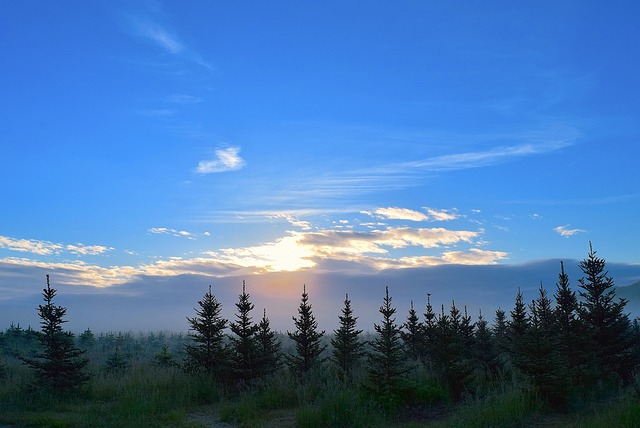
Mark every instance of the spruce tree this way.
pixel 268 347
pixel 428 334
pixel 607 326
pixel 165 358
pixel 307 338
pixel 542 353
pixel 208 352
pixel 500 329
pixel 517 332
pixel 572 345
pixel 387 360
pixel 244 345
pixel 117 363
pixel 412 334
pixel 60 366
pixel 485 350
pixel 348 349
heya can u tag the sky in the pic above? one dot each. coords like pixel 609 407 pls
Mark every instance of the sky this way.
pixel 146 145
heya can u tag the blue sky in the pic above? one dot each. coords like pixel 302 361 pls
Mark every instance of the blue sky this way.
pixel 216 139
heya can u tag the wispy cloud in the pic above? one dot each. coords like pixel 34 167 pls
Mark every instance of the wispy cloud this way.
pixel 173 232
pixel 226 159
pixel 158 35
pixel 147 28
pixel 395 213
pixel 567 233
pixel 46 248
pixel 184 99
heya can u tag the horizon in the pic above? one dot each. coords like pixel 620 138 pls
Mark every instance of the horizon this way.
pixel 152 148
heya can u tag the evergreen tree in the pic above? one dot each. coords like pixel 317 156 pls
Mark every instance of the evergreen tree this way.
pixel 244 343
pixel 208 352
pixel 500 330
pixel 387 360
pixel 307 338
pixel 542 361
pixel 268 347
pixel 485 350
pixel 452 357
pixel 412 334
pixel 165 358
pixel 61 365
pixel 117 363
pixel 517 331
pixel 572 346
pixel 86 340
pixel 607 325
pixel 348 350
pixel 429 333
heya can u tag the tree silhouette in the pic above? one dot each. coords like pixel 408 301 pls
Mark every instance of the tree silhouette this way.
pixel 60 366
pixel 268 347
pixel 412 334
pixel 607 326
pixel 387 360
pixel 348 350
pixel 244 345
pixel 208 352
pixel 307 338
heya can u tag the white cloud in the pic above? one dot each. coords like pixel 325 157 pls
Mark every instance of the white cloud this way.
pixel 304 225
pixel 158 35
pixel 441 215
pixel 42 248
pixel 395 213
pixel 226 159
pixel 87 250
pixel 567 233
pixel 46 248
pixel 173 232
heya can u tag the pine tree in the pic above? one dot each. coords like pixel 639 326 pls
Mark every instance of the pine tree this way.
pixel 117 363
pixel 517 333
pixel 86 340
pixel 453 358
pixel 387 360
pixel 61 365
pixel 572 345
pixel 208 353
pixel 412 334
pixel 165 358
pixel 348 349
pixel 500 329
pixel 244 344
pixel 307 338
pixel 608 327
pixel 485 350
pixel 428 334
pixel 268 347
pixel 542 353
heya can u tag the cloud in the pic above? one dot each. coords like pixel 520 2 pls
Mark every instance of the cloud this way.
pixel 147 28
pixel 158 35
pixel 42 248
pixel 172 232
pixel 567 233
pixel 184 99
pixel 304 225
pixel 441 215
pixel 395 213
pixel 46 248
pixel 227 159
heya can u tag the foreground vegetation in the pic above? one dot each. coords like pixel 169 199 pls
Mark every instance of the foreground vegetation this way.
pixel 572 361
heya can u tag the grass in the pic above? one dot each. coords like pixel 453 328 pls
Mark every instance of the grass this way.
pixel 147 395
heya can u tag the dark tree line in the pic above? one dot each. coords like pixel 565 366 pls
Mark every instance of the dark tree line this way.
pixel 560 346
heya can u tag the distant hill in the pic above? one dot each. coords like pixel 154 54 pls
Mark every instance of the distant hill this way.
pixel 632 294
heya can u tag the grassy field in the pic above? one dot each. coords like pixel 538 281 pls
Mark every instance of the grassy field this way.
pixel 147 395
